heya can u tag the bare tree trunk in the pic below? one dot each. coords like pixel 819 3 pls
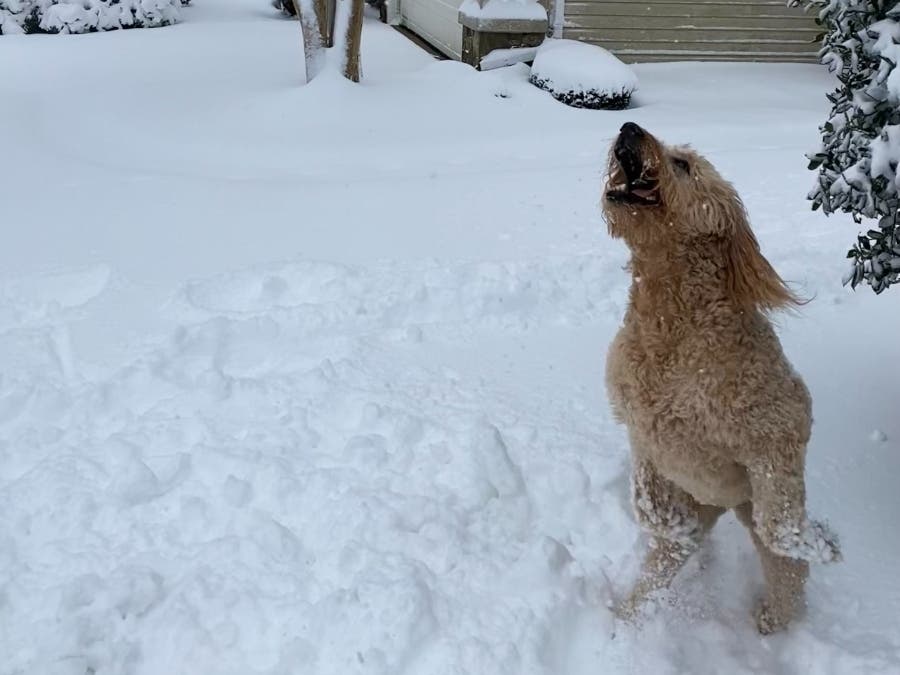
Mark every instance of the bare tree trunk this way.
pixel 331 23
pixel 314 27
pixel 352 70
pixel 325 18
pixel 348 36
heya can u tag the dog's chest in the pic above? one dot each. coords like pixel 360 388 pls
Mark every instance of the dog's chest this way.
pixel 671 390
pixel 656 372
pixel 667 401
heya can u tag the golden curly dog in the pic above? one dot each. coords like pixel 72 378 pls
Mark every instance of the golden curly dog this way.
pixel 716 416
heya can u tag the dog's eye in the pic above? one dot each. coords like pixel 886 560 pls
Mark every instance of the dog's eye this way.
pixel 681 164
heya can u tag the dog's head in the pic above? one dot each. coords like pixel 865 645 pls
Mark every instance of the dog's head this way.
pixel 663 200
pixel 657 191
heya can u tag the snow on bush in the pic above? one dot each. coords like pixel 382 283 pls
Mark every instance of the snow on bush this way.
pixel 857 161
pixel 583 75
pixel 85 16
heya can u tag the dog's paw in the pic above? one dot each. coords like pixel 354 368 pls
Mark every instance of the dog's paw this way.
pixel 814 542
pixel 827 547
pixel 768 621
pixel 642 604
pixel 627 610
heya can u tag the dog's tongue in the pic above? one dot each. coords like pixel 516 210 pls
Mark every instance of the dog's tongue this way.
pixel 644 193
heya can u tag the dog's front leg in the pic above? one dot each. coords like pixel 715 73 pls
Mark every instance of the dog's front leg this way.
pixel 779 510
pixel 678 524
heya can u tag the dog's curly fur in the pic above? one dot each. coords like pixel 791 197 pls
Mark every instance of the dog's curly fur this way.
pixel 716 416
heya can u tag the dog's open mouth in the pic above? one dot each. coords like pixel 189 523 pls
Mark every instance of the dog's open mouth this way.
pixel 642 191
pixel 636 180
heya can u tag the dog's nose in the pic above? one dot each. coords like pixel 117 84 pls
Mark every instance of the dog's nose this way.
pixel 631 129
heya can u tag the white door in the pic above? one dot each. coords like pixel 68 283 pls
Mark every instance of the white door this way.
pixel 437 21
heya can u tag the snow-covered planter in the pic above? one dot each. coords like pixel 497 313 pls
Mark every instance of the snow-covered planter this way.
pixel 85 16
pixel 500 27
pixel 583 75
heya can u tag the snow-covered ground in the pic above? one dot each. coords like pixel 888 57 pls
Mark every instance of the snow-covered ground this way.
pixel 309 379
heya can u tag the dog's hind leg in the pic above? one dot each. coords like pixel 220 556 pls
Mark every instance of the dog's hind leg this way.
pixel 678 524
pixel 785 579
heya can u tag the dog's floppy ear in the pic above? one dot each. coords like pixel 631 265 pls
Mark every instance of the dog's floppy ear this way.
pixel 752 282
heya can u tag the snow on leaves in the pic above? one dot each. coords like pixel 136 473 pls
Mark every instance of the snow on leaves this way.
pixel 857 161
pixel 85 16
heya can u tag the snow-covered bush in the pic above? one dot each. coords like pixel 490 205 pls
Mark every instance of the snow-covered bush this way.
pixel 85 16
pixel 857 162
pixel 582 75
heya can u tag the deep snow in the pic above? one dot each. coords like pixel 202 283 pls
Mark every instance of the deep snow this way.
pixel 309 379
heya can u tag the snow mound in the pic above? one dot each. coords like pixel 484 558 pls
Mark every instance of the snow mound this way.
pixel 85 16
pixel 583 76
